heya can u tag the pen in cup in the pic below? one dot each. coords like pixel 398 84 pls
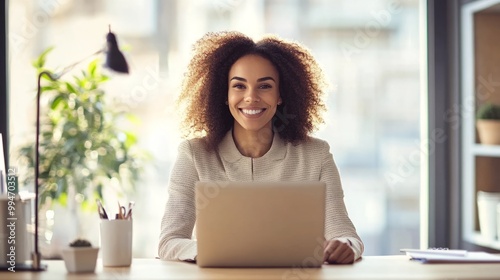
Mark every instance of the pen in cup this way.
pixel 129 213
pixel 123 212
pixel 102 211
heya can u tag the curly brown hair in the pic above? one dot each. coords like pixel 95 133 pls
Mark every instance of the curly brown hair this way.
pixel 205 86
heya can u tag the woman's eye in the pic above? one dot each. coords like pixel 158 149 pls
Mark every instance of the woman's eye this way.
pixel 265 86
pixel 239 86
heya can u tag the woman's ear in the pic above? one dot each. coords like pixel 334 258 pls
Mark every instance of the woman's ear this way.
pixel 279 101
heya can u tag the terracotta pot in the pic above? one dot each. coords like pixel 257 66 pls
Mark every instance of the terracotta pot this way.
pixel 489 131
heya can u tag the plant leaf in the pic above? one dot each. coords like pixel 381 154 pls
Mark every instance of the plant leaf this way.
pixel 70 88
pixel 92 67
pixel 56 102
pixel 40 61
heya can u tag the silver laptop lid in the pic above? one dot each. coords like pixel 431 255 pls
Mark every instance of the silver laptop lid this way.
pixel 256 224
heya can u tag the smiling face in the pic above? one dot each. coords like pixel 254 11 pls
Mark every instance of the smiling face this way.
pixel 253 93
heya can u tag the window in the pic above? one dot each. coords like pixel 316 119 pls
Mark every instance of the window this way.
pixel 368 49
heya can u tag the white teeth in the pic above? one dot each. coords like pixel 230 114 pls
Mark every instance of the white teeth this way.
pixel 251 112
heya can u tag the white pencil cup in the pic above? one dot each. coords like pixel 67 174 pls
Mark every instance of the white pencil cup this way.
pixel 116 242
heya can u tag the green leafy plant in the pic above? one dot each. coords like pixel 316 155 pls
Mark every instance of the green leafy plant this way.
pixel 488 111
pixel 81 144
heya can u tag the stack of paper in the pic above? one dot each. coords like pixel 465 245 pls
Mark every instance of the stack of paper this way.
pixel 450 256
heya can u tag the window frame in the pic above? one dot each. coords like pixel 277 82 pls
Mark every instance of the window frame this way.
pixel 4 96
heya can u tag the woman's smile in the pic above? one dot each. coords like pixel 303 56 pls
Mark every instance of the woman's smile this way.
pixel 252 113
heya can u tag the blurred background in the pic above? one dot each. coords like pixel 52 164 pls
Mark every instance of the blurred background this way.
pixel 369 50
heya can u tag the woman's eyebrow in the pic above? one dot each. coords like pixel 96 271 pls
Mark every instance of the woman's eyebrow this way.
pixel 265 79
pixel 258 80
pixel 238 78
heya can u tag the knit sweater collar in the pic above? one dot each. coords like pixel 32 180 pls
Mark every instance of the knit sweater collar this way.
pixel 229 152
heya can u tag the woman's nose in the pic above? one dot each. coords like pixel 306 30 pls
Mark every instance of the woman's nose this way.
pixel 252 96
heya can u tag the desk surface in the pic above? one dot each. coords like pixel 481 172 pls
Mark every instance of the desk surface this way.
pixel 371 267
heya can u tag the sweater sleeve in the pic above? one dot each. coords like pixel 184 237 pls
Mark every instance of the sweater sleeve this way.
pixel 180 214
pixel 337 222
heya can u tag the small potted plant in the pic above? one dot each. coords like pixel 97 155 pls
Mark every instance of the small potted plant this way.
pixel 80 256
pixel 488 124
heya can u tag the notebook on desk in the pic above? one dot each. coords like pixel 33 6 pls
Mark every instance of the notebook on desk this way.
pixel 260 224
pixel 450 256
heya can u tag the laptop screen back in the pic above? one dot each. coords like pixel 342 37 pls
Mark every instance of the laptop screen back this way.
pixel 260 224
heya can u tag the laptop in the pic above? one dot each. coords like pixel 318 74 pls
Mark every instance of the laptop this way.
pixel 257 224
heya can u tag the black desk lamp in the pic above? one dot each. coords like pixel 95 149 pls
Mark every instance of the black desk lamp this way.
pixel 114 61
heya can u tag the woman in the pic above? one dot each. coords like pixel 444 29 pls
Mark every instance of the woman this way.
pixel 251 107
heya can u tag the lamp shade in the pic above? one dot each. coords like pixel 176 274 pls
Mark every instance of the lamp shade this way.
pixel 114 58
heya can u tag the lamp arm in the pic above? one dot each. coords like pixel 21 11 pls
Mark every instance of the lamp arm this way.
pixel 71 66
pixel 36 256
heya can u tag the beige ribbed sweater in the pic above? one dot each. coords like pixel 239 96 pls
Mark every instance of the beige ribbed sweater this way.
pixel 309 161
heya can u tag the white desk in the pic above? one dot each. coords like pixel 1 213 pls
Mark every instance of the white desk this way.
pixel 380 267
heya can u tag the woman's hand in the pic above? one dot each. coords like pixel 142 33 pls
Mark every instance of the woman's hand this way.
pixel 339 252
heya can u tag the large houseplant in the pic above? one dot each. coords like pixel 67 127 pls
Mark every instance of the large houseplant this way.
pixel 81 143
pixel 84 152
pixel 488 124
